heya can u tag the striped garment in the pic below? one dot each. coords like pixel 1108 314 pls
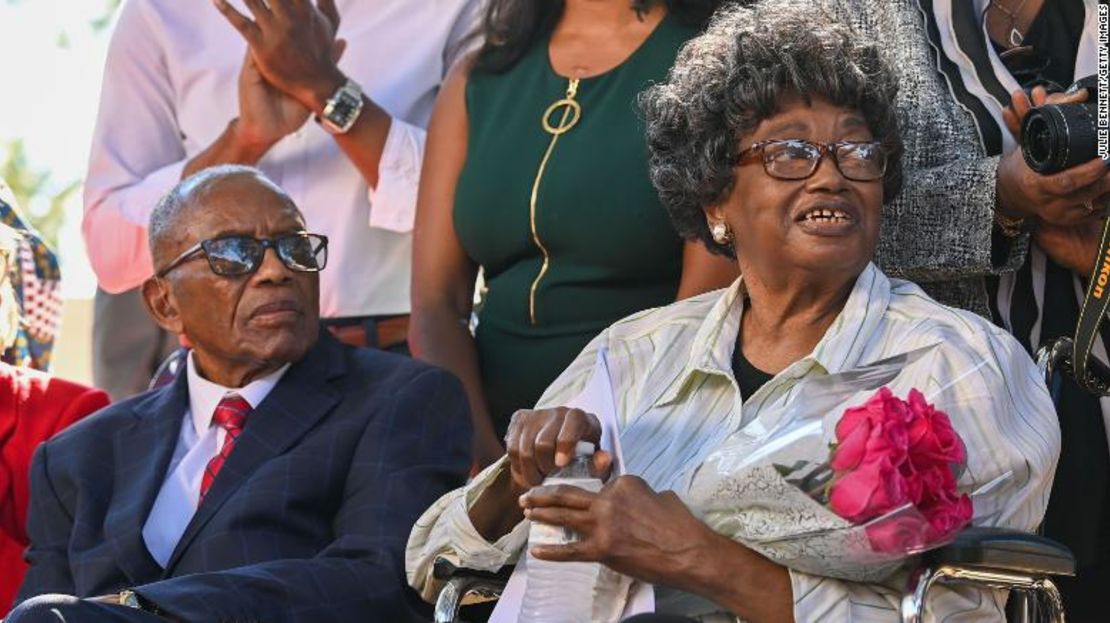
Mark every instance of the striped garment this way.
pixel 1039 301
pixel 676 400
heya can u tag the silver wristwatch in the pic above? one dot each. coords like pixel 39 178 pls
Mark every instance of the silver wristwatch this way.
pixel 342 108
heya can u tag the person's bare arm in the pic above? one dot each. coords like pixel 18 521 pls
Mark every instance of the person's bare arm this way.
pixel 703 271
pixel 443 275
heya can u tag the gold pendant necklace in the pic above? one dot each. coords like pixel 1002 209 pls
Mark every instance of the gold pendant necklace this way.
pixel 572 112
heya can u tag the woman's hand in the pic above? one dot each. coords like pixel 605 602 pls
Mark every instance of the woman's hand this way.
pixel 540 441
pixel 1075 247
pixel 654 538
pixel 627 526
pixel 1021 104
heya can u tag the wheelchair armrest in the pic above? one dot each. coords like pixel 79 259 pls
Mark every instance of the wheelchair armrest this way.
pixel 1004 550
pixel 443 569
pixel 465 587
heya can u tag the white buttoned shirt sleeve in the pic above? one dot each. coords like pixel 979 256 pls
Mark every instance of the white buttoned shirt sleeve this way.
pixel 170 89
pixel 197 443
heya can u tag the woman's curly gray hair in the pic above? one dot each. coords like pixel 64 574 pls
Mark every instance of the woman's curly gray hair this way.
pixel 737 74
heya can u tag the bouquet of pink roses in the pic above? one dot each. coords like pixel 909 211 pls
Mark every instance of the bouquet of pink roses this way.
pixel 848 480
pixel 891 454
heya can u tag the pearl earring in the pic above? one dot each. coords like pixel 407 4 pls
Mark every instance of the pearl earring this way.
pixel 720 232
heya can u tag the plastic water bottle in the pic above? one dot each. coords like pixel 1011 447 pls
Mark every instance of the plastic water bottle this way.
pixel 561 592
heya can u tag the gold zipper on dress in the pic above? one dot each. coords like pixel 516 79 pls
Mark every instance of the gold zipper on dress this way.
pixel 572 111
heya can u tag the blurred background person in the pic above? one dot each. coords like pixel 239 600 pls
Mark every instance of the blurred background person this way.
pixel 536 173
pixel 33 406
pixel 181 92
pixel 35 279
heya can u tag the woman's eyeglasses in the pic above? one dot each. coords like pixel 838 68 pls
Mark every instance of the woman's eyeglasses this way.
pixel 795 159
pixel 234 256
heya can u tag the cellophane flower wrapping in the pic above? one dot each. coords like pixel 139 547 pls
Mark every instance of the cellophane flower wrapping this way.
pixel 852 479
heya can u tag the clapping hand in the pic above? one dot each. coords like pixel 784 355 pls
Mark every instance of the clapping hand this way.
pixel 266 114
pixel 292 45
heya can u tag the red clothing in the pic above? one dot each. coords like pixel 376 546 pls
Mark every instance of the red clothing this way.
pixel 33 407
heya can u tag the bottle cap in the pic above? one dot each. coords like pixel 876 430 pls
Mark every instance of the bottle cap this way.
pixel 584 448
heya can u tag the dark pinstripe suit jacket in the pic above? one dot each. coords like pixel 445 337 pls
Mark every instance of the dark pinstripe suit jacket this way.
pixel 308 518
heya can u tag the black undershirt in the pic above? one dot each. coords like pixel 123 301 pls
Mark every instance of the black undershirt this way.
pixel 748 377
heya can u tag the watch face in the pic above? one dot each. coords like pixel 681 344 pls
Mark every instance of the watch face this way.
pixel 343 108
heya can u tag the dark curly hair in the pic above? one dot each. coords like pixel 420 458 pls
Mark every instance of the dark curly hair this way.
pixel 511 27
pixel 726 81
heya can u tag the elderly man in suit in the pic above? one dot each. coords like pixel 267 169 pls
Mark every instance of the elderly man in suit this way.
pixel 277 479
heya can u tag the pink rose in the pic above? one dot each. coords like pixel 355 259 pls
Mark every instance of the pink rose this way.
pixel 875 429
pixel 915 488
pixel 948 513
pixel 852 432
pixel 873 488
pixel 937 482
pixel 890 453
pixel 931 436
pixel 900 534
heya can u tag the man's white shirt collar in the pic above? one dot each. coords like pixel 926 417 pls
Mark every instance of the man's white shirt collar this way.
pixel 205 396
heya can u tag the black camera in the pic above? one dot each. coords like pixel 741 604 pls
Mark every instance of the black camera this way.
pixel 1055 137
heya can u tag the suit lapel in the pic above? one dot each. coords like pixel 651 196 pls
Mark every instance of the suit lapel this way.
pixel 142 456
pixel 301 398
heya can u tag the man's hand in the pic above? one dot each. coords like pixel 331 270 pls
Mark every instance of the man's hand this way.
pixel 628 527
pixel 540 441
pixel 266 115
pixel 291 43
pixel 1065 198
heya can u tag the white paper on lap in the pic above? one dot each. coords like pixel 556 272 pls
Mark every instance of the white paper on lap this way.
pixel 596 398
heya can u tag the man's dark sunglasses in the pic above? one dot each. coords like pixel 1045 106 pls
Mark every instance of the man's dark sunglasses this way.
pixel 234 256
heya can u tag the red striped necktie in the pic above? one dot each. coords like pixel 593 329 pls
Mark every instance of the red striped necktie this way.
pixel 231 415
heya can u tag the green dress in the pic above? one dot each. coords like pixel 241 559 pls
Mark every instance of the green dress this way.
pixel 609 247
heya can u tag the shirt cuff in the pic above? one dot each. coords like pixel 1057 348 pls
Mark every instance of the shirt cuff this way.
pixel 474 551
pixel 393 201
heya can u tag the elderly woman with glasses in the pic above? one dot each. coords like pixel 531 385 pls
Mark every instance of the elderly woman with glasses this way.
pixel 774 142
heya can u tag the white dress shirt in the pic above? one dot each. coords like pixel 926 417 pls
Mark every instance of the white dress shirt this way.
pixel 676 400
pixel 170 89
pixel 198 442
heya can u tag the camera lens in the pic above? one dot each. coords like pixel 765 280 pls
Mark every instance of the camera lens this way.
pixel 1038 135
pixel 1058 137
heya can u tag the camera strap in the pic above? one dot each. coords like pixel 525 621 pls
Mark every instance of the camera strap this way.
pixel 1091 317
